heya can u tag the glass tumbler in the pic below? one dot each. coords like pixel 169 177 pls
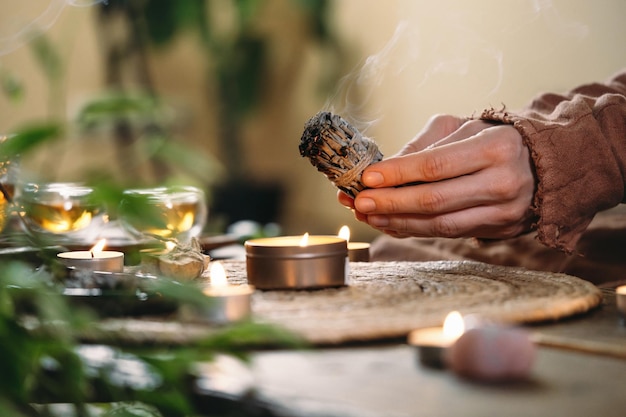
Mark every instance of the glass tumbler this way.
pixel 175 212
pixel 9 170
pixel 65 212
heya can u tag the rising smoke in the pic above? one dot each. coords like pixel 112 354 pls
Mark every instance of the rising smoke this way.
pixel 23 20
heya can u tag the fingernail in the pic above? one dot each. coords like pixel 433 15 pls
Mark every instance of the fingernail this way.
pixel 365 205
pixel 372 179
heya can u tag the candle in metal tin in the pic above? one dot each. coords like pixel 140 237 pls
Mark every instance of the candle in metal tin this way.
pixel 95 259
pixel 432 342
pixel 357 251
pixel 228 303
pixel 297 262
pixel 620 295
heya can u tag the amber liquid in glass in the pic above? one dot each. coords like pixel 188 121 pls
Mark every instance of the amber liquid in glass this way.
pixel 60 218
pixel 178 218
pixel 4 204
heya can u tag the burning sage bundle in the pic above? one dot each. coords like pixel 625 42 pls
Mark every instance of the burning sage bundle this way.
pixel 338 150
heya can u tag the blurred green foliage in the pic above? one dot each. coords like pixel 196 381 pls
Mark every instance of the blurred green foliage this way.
pixel 237 58
pixel 39 360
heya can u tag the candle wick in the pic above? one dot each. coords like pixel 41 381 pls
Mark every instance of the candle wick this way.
pixel 91 252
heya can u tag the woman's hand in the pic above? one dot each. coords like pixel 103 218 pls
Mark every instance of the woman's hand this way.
pixel 457 178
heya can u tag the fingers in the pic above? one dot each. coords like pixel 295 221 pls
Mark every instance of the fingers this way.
pixel 454 157
pixel 438 127
pixel 440 197
pixel 475 181
pixel 345 200
pixel 497 222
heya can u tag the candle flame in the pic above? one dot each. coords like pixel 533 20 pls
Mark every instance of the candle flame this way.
pixel 453 326
pixel 305 240
pixel 344 233
pixel 217 275
pixel 98 247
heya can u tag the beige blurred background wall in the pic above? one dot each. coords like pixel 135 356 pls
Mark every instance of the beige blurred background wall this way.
pixel 410 59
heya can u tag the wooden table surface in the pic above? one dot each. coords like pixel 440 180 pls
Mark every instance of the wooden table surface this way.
pixel 388 381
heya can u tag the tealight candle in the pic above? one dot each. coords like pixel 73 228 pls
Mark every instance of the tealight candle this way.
pixel 357 251
pixel 620 295
pixel 297 262
pixel 95 259
pixel 431 342
pixel 228 303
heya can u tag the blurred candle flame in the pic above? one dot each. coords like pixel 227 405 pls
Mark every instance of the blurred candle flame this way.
pixel 217 275
pixel 453 326
pixel 344 233
pixel 98 247
pixel 304 242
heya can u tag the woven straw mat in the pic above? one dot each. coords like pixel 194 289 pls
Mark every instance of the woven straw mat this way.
pixel 389 299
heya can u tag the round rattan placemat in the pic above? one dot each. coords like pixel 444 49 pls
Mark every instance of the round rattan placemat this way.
pixel 389 299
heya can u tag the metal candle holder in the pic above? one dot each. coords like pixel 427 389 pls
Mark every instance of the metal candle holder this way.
pixel 281 263
pixel 359 251
pixel 431 346
pixel 226 305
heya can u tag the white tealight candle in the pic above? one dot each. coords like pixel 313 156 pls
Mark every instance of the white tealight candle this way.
pixel 431 342
pixel 227 303
pixel 357 251
pixel 95 259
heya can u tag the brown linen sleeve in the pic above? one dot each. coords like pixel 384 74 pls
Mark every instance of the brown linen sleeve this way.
pixel 578 147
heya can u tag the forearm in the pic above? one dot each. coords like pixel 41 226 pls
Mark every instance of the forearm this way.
pixel 578 147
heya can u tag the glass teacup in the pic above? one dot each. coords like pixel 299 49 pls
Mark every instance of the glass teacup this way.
pixel 9 169
pixel 64 212
pixel 176 212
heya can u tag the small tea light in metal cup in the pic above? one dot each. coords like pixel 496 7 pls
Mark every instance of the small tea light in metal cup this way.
pixel 227 303
pixel 620 296
pixel 178 212
pixel 357 251
pixel 95 259
pixel 432 342
pixel 297 262
pixel 64 212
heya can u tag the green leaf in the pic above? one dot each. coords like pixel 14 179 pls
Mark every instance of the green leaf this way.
pixel 140 213
pixel 197 163
pixel 48 57
pixel 240 338
pixel 114 106
pixel 28 137
pixel 12 87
